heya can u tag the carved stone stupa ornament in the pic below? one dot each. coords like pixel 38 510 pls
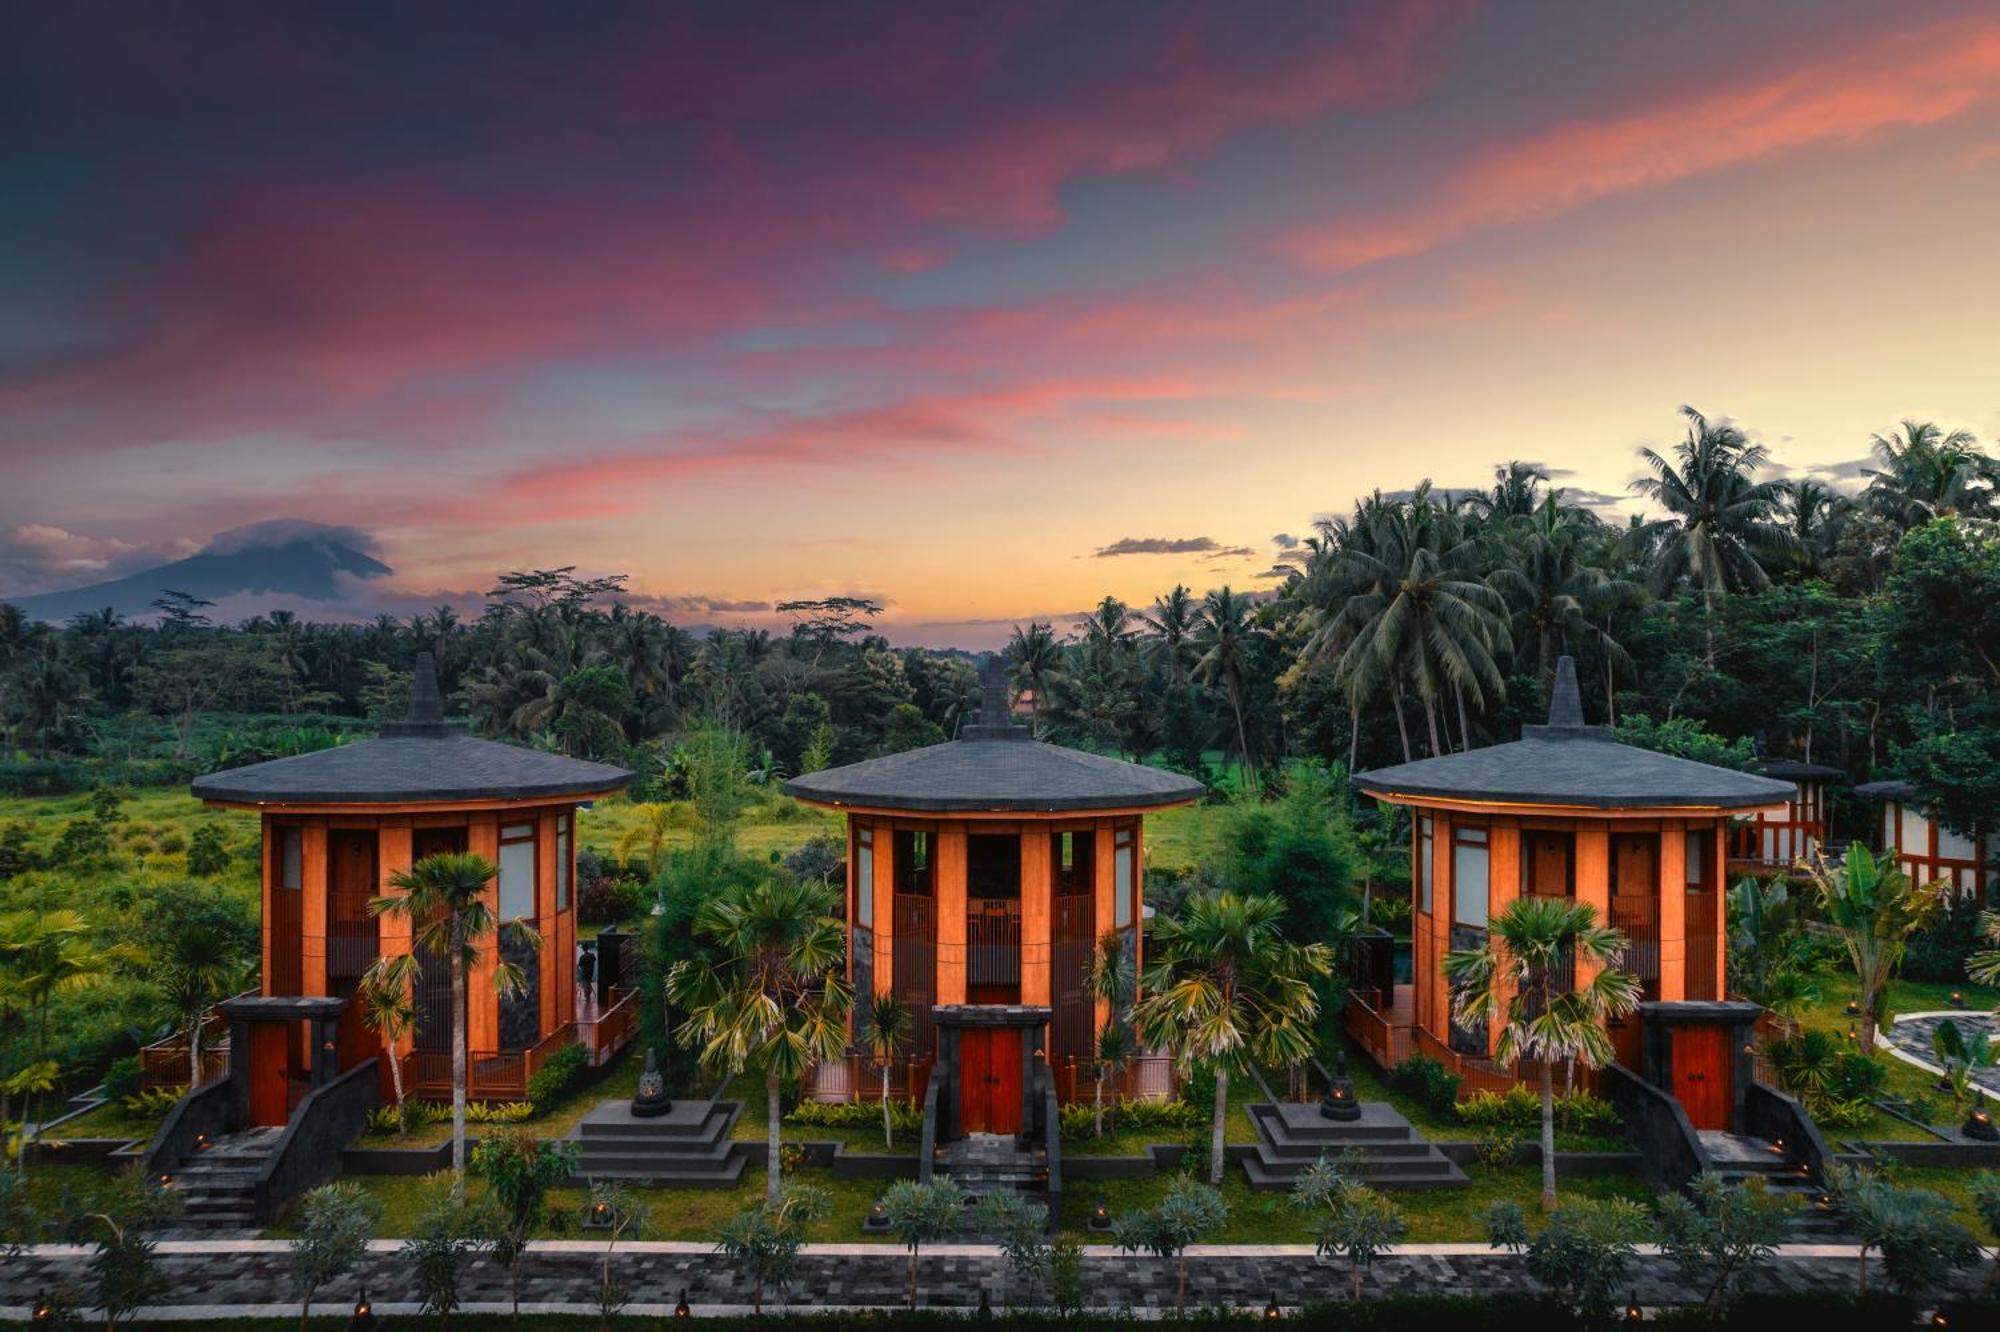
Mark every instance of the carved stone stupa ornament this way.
pixel 651 1102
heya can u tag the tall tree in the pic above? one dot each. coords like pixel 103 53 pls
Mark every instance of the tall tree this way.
pixel 1521 977
pixel 771 994
pixel 445 900
pixel 1228 986
pixel 1927 472
pixel 1876 909
pixel 1228 631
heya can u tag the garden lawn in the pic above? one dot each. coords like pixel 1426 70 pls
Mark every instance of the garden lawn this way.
pixel 110 1120
pixel 620 1082
pixel 1829 1013
pixel 1445 1126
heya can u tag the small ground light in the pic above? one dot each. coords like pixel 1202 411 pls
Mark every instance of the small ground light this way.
pixel 1851 1034
pixel 364 1314
pixel 1633 1313
pixel 877 1219
pixel 1100 1216
pixel 44 1312
pixel 681 1309
pixel 1853 1009
pixel 1957 999
pixel 1271 1310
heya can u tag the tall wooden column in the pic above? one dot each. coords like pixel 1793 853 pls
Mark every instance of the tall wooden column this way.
pixel 1593 879
pixel 482 1008
pixel 948 872
pixel 272 869
pixel 393 932
pixel 1037 914
pixel 312 907
pixel 1673 910
pixel 885 908
pixel 1103 894
pixel 1503 885
pixel 553 966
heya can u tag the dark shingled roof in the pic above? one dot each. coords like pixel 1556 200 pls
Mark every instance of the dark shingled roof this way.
pixel 1569 763
pixel 995 767
pixel 1892 789
pixel 425 758
pixel 1797 770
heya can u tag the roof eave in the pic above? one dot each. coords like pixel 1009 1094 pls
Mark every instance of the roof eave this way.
pixel 1475 802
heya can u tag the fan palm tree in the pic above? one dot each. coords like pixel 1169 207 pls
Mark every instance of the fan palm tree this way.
pixel 1520 977
pixel 1721 523
pixel 888 1029
pixel 1875 908
pixel 1928 473
pixel 769 994
pixel 1036 657
pixel 1228 987
pixel 390 1013
pixel 444 899
pixel 1114 1052
pixel 1228 632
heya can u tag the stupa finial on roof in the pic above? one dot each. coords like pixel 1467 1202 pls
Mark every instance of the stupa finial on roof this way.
pixel 996 716
pixel 425 714
pixel 1565 710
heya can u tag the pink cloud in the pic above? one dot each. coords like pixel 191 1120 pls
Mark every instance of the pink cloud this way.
pixel 1916 79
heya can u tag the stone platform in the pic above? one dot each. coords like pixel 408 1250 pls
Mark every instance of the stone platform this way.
pixel 1382 1149
pixel 687 1148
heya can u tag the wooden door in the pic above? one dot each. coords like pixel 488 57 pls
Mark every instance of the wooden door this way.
pixel 989 1065
pixel 1548 860
pixel 1703 1076
pixel 270 1073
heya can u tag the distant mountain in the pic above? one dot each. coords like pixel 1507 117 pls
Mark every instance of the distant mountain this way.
pixel 285 558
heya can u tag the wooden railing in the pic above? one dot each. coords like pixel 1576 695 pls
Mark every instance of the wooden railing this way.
pixel 164 1063
pixel 1387 1043
pixel 490 1075
pixel 856 1077
pixel 614 1027
pixel 1144 1078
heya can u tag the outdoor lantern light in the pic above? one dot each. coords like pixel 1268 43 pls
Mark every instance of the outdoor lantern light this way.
pixel 681 1309
pixel 877 1219
pixel 1957 999
pixel 1271 1310
pixel 364 1314
pixel 1100 1216
pixel 985 1311
pixel 1979 1124
pixel 1853 1009
pixel 44 1312
pixel 1340 1102
pixel 1633 1313
pixel 1851 1034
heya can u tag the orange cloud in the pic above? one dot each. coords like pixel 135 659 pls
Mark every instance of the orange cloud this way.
pixel 1920 78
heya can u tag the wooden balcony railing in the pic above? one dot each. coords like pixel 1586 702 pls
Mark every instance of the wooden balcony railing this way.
pixel 856 1077
pixel 1145 1078
pixel 614 1027
pixel 490 1075
pixel 164 1063
pixel 1388 1043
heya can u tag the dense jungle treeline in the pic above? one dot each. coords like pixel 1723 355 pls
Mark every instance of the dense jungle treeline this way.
pixel 1747 613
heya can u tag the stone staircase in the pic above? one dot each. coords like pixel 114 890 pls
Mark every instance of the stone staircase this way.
pixel 983 1163
pixel 218 1180
pixel 687 1148
pixel 1739 1159
pixel 1381 1149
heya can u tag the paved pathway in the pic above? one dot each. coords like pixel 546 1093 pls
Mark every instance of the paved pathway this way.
pixel 1910 1036
pixel 207 1276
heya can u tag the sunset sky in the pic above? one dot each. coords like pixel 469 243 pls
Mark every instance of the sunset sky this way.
pixel 985 310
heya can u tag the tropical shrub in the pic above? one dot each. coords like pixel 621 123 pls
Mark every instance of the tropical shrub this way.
pixel 1939 951
pixel 1719 1232
pixel 559 1077
pixel 207 852
pixel 904 1115
pixel 1583 1255
pixel 153 1104
pixel 1430 1082
pixel 121 1078
pixel 1519 1108
pixel 498 1112
pixel 1815 1068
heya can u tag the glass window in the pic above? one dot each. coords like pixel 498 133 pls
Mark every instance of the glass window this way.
pixel 864 877
pixel 1469 886
pixel 291 858
pixel 517 872
pixel 563 866
pixel 1697 860
pixel 1424 864
pixel 1121 878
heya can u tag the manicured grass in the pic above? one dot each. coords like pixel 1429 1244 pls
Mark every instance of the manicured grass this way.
pixel 620 1082
pixel 1829 1013
pixel 110 1120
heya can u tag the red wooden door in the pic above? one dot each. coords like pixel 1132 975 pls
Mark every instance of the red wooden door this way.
pixel 989 1063
pixel 270 1072
pixel 1703 1076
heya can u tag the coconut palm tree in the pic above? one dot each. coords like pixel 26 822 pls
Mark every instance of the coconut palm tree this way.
pixel 1229 629
pixel 888 1029
pixel 1875 908
pixel 1928 473
pixel 1422 614
pixel 1555 595
pixel 1721 523
pixel 1521 977
pixel 444 899
pixel 1228 987
pixel 769 993
pixel 1517 492
pixel 1036 657
pixel 1815 514
pixel 1174 623
pixel 391 1014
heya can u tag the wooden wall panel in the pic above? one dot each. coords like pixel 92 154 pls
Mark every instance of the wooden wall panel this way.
pixel 1593 879
pixel 269 917
pixel 550 963
pixel 885 907
pixel 1103 893
pixel 1503 885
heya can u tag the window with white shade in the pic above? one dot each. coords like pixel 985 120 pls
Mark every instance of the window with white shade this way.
pixel 1121 877
pixel 1470 882
pixel 517 871
pixel 564 867
pixel 1424 858
pixel 864 877
pixel 291 858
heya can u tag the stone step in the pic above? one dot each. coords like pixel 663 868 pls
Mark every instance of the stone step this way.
pixel 692 1119
pixel 595 1161
pixel 1304 1123
pixel 1439 1173
pixel 725 1177
pixel 1309 1152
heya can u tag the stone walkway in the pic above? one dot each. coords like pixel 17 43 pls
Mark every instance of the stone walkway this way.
pixel 1910 1040
pixel 205 1277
